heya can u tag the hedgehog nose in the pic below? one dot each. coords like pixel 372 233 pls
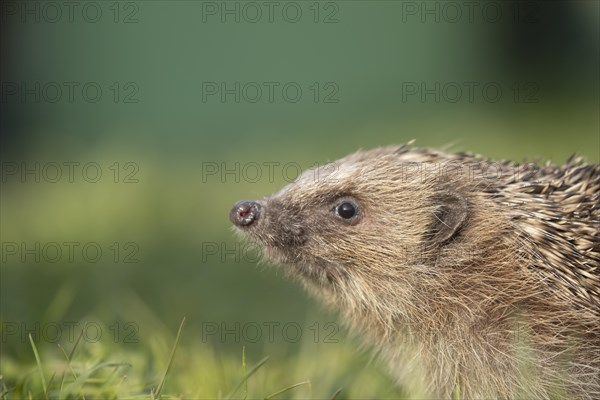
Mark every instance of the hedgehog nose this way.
pixel 244 213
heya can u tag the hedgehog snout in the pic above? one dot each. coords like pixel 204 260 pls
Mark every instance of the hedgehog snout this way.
pixel 244 213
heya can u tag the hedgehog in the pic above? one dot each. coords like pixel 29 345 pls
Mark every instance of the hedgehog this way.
pixel 468 277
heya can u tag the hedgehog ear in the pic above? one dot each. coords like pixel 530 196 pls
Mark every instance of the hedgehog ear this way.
pixel 449 217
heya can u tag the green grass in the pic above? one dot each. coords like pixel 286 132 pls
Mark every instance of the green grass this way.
pixel 189 370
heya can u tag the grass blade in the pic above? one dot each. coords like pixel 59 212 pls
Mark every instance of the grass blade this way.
pixel 248 375
pixel 75 346
pixel 39 364
pixel 456 392
pixel 244 372
pixel 156 394
pixel 336 394
pixel 68 361
pixel 51 379
pixel 286 389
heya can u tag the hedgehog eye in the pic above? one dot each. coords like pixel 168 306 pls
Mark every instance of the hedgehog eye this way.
pixel 346 210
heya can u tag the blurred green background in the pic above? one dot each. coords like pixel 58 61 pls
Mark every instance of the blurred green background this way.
pixel 185 96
